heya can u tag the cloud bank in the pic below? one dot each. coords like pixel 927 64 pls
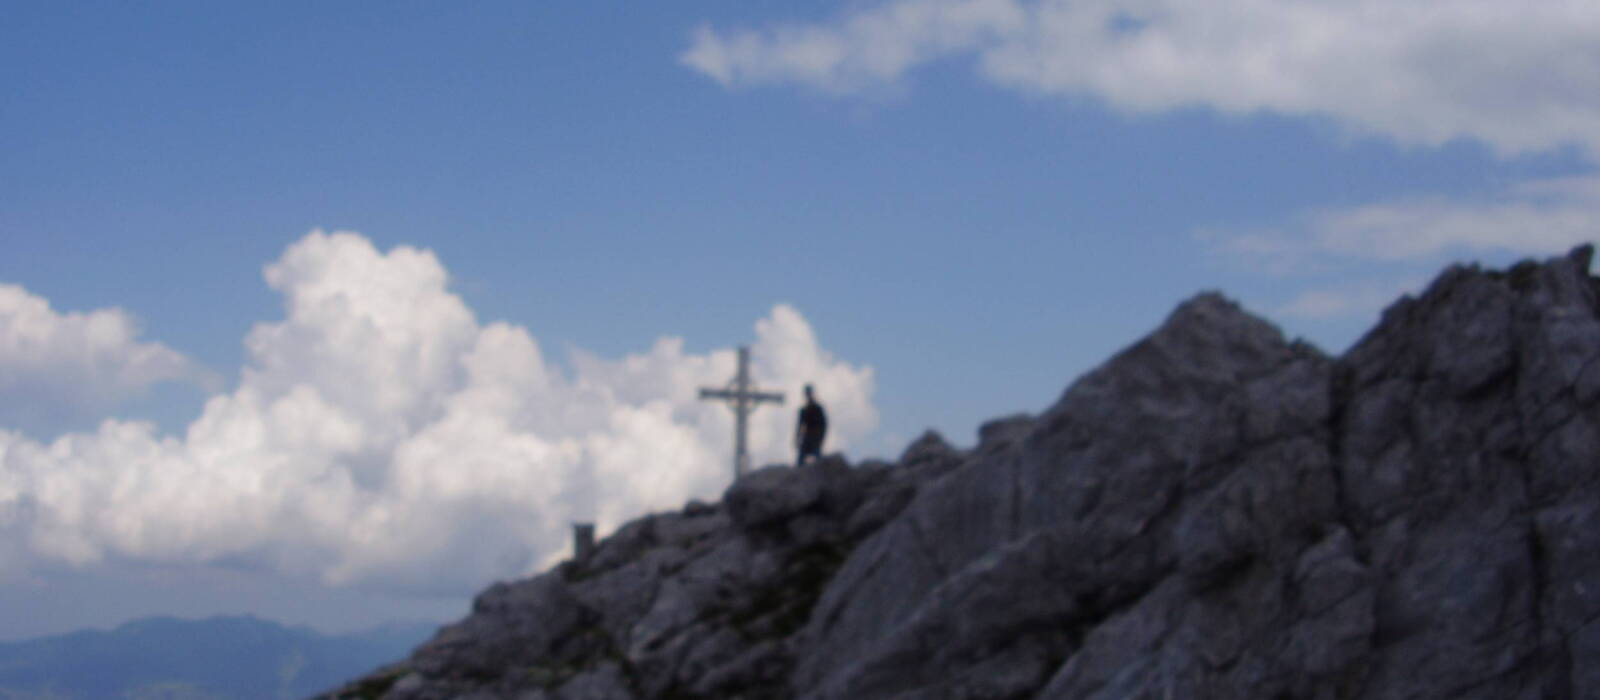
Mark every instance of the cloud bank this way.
pixel 1520 77
pixel 381 436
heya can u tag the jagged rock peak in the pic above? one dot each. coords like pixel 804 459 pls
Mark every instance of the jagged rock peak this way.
pixel 929 445
pixel 1215 512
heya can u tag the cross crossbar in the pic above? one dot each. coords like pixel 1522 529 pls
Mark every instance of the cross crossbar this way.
pixel 744 399
pixel 730 394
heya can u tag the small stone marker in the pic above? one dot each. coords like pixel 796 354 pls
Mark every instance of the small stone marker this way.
pixel 582 541
pixel 744 399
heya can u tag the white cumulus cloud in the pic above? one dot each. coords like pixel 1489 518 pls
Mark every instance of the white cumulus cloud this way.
pixel 1521 77
pixel 56 365
pixel 381 435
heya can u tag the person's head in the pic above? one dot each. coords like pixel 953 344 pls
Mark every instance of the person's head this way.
pixel 809 396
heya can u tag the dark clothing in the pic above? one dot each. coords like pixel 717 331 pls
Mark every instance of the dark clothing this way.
pixel 813 426
pixel 813 423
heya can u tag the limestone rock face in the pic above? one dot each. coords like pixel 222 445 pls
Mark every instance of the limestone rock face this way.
pixel 1216 512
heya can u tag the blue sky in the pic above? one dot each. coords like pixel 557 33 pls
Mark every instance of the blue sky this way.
pixel 946 208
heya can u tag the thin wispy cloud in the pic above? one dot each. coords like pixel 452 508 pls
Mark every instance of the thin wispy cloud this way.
pixel 381 436
pixel 1539 217
pixel 1544 216
pixel 860 52
pixel 1364 298
pixel 1520 77
pixel 1352 262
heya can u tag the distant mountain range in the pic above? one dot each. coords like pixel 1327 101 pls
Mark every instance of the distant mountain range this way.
pixel 232 658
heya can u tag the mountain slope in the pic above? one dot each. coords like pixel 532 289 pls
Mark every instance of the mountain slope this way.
pixel 1215 512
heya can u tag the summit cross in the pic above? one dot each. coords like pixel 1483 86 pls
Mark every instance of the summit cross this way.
pixel 744 398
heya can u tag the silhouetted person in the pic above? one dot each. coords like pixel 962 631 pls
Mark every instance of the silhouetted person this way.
pixel 812 427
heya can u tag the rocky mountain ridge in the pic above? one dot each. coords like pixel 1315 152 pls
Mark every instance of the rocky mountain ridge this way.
pixel 1216 512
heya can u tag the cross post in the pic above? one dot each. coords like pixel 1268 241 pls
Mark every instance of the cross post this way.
pixel 744 398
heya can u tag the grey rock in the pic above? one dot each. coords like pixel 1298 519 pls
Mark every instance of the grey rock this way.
pixel 1001 433
pixel 1110 455
pixel 773 495
pixel 1584 680
pixel 762 666
pixel 1336 596
pixel 512 625
pixel 880 507
pixel 621 596
pixel 927 458
pixel 603 682
pixel 1569 545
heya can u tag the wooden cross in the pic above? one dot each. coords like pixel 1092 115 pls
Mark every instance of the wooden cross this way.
pixel 744 398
